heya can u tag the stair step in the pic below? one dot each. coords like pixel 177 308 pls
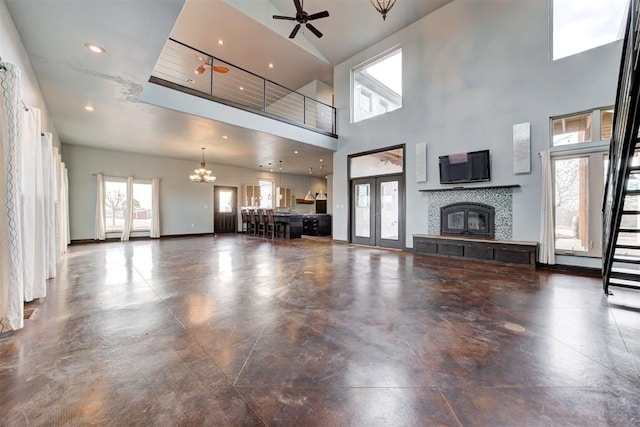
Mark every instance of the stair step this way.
pixel 637 247
pixel 624 284
pixel 634 169
pixel 632 192
pixel 627 260
pixel 629 230
pixel 630 212
pixel 634 277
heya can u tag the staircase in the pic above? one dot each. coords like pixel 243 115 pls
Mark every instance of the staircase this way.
pixel 621 207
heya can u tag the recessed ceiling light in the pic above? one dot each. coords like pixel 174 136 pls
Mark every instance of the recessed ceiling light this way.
pixel 322 160
pixel 295 151
pixel 95 48
pixel 190 81
pixel 241 88
pixel 225 137
pixel 89 108
pixel 220 42
pixel 270 65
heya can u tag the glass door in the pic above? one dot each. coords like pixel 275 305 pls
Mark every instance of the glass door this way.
pixel 389 212
pixel 225 215
pixel 377 211
pixel 363 211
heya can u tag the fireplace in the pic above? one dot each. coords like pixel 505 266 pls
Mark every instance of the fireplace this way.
pixel 467 219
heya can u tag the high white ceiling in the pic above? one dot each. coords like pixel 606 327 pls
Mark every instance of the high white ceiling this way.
pixel 134 31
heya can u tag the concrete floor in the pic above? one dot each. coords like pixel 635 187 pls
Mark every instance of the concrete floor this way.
pixel 241 331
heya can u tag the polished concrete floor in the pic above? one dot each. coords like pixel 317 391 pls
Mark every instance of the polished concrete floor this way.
pixel 241 331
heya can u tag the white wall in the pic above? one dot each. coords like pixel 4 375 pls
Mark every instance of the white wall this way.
pixel 471 70
pixel 12 51
pixel 182 203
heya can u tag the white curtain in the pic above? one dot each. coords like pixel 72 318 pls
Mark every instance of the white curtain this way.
pixel 34 250
pixel 100 214
pixel 128 211
pixel 547 252
pixel 155 208
pixel 11 277
pixel 51 196
pixel 62 207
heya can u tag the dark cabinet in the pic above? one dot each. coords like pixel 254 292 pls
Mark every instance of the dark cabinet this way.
pixel 316 225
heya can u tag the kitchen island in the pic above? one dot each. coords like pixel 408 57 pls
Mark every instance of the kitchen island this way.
pixel 295 225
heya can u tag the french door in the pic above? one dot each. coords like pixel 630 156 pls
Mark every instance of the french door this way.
pixel 377 211
pixel 225 214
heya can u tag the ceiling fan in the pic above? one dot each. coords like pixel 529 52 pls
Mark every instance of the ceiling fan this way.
pixel 207 62
pixel 303 18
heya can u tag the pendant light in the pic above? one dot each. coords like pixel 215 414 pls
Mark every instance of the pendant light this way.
pixel 309 196
pixel 321 195
pixel 383 6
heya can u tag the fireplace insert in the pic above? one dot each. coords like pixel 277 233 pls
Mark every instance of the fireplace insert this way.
pixel 467 219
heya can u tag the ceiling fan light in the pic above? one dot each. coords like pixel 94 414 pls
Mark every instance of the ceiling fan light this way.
pixel 383 6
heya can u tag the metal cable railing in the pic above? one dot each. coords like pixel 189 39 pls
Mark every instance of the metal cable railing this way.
pixel 198 71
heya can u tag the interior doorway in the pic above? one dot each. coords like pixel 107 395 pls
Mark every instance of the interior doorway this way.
pixel 377 202
pixel 225 212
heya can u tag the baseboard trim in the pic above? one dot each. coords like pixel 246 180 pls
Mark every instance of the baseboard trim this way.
pixel 117 239
pixel 571 269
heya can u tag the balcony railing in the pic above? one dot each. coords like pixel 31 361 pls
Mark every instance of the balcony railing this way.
pixel 197 71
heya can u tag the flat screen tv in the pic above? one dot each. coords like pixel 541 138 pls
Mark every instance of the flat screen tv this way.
pixel 465 167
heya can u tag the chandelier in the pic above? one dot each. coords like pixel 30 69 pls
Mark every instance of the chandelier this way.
pixel 383 6
pixel 202 174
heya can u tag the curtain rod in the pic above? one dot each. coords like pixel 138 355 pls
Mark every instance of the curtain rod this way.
pixel 120 177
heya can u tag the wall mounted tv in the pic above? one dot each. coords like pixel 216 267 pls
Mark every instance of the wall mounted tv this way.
pixel 465 167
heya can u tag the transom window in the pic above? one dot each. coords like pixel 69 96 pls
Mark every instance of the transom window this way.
pixel 377 83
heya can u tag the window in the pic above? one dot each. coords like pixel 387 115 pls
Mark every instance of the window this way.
pixel 580 143
pixel 572 129
pixel 365 101
pixel 580 25
pixel 266 194
pixel 377 82
pixel 115 203
pixel 141 206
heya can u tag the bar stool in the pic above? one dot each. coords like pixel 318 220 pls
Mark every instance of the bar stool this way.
pixel 253 225
pixel 262 226
pixel 270 225
pixel 245 221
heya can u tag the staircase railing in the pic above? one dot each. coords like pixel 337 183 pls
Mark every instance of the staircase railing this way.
pixel 623 142
pixel 191 70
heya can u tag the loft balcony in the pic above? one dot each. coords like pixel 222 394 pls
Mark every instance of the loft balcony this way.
pixel 191 71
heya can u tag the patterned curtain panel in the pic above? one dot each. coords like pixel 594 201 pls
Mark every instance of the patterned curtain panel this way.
pixel 11 269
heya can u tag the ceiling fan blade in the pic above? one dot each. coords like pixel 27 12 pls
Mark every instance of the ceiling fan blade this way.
pixel 295 31
pixel 288 18
pixel 314 30
pixel 318 15
pixel 298 6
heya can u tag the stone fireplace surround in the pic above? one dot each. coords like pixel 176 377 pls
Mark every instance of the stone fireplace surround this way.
pixel 500 198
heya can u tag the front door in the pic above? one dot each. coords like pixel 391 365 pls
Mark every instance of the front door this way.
pixel 377 211
pixel 225 214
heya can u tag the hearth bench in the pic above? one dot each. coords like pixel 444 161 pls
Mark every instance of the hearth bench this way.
pixel 510 252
